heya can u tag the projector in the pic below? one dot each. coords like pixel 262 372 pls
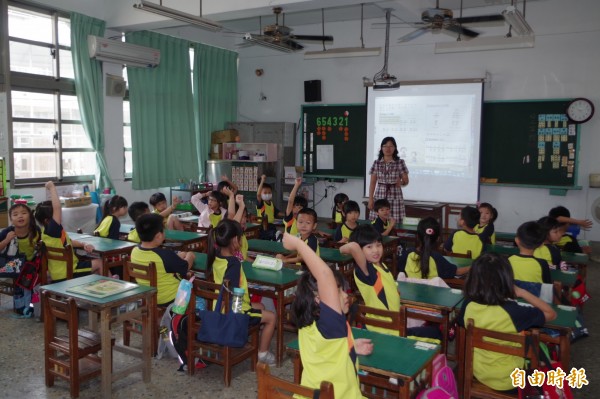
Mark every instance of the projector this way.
pixel 387 84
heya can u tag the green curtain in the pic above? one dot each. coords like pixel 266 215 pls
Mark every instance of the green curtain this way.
pixel 162 115
pixel 88 85
pixel 215 94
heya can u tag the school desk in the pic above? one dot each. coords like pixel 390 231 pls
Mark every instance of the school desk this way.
pixel 110 310
pixel 112 252
pixel 176 239
pixel 393 357
pixel 277 285
pixel 440 300
pixel 190 223
pixel 508 238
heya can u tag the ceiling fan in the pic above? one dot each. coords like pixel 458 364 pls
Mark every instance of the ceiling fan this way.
pixel 436 20
pixel 281 38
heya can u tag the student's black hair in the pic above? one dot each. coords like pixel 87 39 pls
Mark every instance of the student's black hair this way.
pixel 531 235
pixel 33 230
pixel 339 198
pixel 470 216
pixel 222 184
pixel 548 223
pixel 300 200
pixel 220 237
pixel 110 206
pixel 43 212
pixel 267 185
pixel 365 234
pixel 136 209
pixel 220 197
pixel 492 210
pixel 309 211
pixel 381 203
pixel 559 211
pixel 384 142
pixel 428 233
pixel 148 225
pixel 157 198
pixel 350 206
pixel 305 310
pixel 490 280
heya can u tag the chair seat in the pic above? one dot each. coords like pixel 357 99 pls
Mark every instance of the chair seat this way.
pixel 88 342
pixel 479 390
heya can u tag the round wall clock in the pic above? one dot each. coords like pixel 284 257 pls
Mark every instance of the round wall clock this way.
pixel 580 110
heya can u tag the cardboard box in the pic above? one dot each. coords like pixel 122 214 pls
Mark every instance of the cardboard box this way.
pixel 225 136
pixel 76 201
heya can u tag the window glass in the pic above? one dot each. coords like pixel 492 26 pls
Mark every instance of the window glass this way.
pixel 74 136
pixel 33 135
pixel 28 58
pixel 66 64
pixel 27 24
pixel 78 163
pixel 31 165
pixel 32 105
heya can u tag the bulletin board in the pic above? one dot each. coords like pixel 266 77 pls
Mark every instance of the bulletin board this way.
pixel 529 143
pixel 334 140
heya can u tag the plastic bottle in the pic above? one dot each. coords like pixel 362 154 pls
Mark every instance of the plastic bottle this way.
pixel 237 299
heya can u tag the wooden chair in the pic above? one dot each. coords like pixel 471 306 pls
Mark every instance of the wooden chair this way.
pixel 74 356
pixel 223 355
pixel 271 387
pixel 397 320
pixel 481 338
pixel 133 272
pixel 56 254
pixel 458 255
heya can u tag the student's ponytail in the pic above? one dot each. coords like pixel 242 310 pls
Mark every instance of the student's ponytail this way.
pixel 220 237
pixel 112 205
pixel 428 232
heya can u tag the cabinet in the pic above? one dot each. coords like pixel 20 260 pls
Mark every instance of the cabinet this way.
pixel 307 190
pixel 253 152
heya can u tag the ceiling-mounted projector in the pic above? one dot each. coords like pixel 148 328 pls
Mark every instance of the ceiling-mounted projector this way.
pixel 389 83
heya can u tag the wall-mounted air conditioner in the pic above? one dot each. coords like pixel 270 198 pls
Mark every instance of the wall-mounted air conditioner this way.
pixel 122 53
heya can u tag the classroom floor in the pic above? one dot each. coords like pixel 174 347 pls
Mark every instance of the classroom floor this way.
pixel 22 367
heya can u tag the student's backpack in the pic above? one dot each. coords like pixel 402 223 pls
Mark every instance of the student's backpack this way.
pixel 435 393
pixel 443 383
pixel 165 344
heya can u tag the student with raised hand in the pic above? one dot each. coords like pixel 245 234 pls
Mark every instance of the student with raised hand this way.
pixel 327 348
pixel 567 242
pixel 211 212
pixel 161 207
pixel 490 300
pixel 110 225
pixel 49 215
pixel 239 213
pixel 295 204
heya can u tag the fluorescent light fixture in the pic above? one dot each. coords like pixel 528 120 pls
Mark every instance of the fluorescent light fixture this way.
pixel 485 43
pixel 272 45
pixel 515 19
pixel 179 15
pixel 343 52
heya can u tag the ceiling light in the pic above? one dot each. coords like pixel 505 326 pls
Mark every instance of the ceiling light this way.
pixel 272 45
pixel 343 52
pixel 515 19
pixel 486 43
pixel 179 15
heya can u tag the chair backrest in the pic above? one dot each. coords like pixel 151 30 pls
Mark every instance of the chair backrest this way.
pixel 396 322
pixel 209 291
pixel 458 255
pixel 64 254
pixel 271 387
pixel 60 309
pixel 134 271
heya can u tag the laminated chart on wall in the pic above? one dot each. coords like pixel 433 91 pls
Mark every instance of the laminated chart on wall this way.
pixel 529 143
pixel 333 140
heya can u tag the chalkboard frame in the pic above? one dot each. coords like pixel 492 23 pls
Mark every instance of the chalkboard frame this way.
pixel 334 173
pixel 557 105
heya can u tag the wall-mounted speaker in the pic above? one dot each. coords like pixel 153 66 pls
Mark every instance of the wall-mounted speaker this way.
pixel 312 91
pixel 115 86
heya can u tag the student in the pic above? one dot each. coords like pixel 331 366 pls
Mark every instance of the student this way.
pixel 526 268
pixel 384 224
pixel 136 210
pixel 327 348
pixel 240 215
pixel 549 251
pixel 22 229
pixel 159 203
pixel 424 262
pixel 225 182
pixel 307 224
pixel 487 216
pixel 465 240
pixel 351 212
pixel 336 212
pixel 49 215
pixel 171 266
pixel 110 225
pixel 294 205
pixel 490 300
pixel 223 243
pixel 567 242
pixel 211 212
pixel 265 206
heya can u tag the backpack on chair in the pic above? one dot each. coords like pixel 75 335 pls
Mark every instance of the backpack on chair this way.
pixel 443 382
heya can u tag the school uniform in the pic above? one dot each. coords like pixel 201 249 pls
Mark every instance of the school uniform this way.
pixel 133 236
pixel 289 222
pixel 266 208
pixel 342 231
pixel 409 263
pixel 327 353
pixel 491 368
pixel 170 269
pixel 486 232
pixel 155 211
pixel 338 217
pixel 529 269
pixel 109 227
pixel 313 243
pixel 568 243
pixel 26 246
pixel 244 247
pixel 380 225
pixel 550 253
pixel 462 241
pixel 207 217
pixel 54 236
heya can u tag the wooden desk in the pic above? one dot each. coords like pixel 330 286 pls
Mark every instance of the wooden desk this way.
pixel 392 356
pixel 508 238
pixel 112 252
pixel 423 210
pixel 108 310
pixel 440 300
pixel 187 240
pixel 278 285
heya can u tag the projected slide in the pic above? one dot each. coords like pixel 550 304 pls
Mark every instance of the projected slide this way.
pixel 437 130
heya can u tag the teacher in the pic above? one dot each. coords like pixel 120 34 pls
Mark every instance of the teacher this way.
pixel 388 175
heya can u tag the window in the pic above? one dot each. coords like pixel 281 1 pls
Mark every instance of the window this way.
pixel 48 139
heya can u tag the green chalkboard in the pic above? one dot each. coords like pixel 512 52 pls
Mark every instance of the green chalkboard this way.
pixel 334 140
pixel 529 143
